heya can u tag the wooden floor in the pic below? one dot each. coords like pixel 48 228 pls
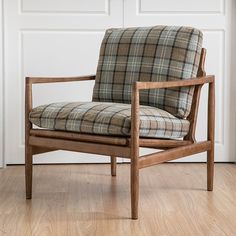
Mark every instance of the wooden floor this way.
pixel 86 200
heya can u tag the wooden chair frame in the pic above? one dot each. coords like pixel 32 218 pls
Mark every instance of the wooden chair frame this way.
pixel 41 141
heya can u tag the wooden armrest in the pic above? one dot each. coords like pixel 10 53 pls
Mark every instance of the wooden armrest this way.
pixel 29 81
pixel 172 84
pixel 199 81
pixel 40 80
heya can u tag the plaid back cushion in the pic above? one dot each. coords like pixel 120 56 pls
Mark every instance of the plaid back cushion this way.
pixel 160 53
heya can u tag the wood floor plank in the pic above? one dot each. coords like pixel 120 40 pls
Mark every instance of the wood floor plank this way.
pixel 86 200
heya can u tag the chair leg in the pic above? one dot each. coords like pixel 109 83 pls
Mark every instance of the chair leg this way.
pixel 113 165
pixel 210 169
pixel 134 189
pixel 210 136
pixel 28 171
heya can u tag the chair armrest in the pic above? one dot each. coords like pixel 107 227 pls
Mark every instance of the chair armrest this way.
pixel 44 80
pixel 172 84
pixel 29 81
pixel 210 79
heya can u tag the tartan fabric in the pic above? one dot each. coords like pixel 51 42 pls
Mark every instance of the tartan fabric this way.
pixel 160 53
pixel 107 119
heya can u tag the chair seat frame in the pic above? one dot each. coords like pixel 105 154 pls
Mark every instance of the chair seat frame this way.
pixel 39 141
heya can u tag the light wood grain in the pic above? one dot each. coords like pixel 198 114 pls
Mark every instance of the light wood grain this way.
pixel 201 69
pixel 173 84
pixel 123 141
pixel 173 153
pixel 85 200
pixel 45 80
pixel 77 146
pixel 211 136
pixel 113 165
pixel 162 143
pixel 28 148
pixel 79 137
pixel 134 167
pixel 192 118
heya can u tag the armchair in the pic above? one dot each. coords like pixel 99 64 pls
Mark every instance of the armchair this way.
pixel 146 94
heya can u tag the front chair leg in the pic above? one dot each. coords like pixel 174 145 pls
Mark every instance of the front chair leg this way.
pixel 211 135
pixel 210 168
pixel 28 171
pixel 113 165
pixel 134 189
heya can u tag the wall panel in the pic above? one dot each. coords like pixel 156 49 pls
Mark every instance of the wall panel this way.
pixel 180 7
pixel 214 18
pixel 65 6
pixel 52 38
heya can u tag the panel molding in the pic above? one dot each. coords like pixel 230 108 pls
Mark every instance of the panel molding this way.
pixel 187 12
pixel 106 11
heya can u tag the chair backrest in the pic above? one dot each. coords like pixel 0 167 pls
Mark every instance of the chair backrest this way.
pixel 160 53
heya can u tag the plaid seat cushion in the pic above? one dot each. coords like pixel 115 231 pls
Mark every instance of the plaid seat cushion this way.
pixel 108 119
pixel 160 53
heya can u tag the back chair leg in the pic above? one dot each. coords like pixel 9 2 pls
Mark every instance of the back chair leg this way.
pixel 28 171
pixel 28 148
pixel 113 165
pixel 210 169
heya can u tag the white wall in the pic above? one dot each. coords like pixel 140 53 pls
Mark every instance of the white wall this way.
pixel 1 84
pixel 216 19
pixel 43 38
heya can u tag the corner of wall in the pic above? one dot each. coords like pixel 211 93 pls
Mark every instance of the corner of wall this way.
pixel 2 163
